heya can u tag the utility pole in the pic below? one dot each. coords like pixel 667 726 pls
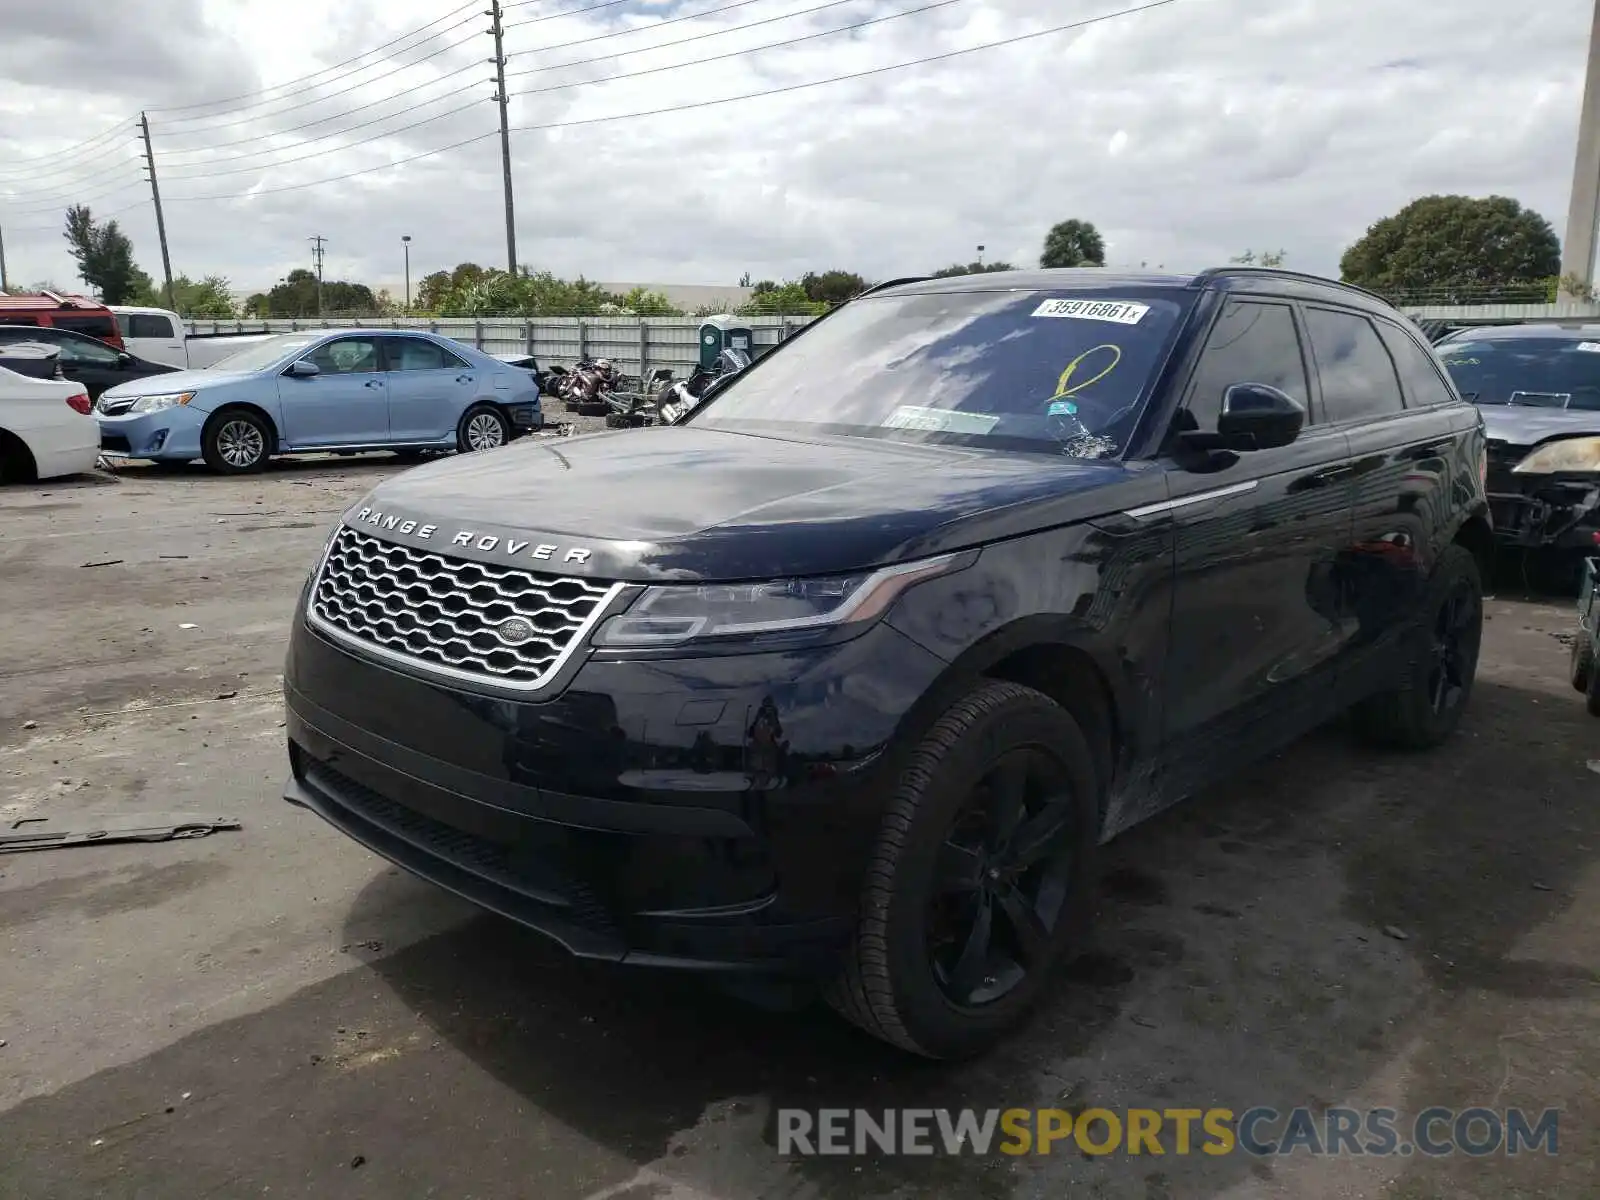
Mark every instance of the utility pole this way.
pixel 161 220
pixel 1583 209
pixel 316 254
pixel 405 241
pixel 499 60
pixel 5 285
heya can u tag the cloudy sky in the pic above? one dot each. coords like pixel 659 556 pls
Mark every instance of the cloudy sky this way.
pixel 1186 133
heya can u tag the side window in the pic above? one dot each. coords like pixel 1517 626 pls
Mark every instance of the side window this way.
pixel 18 321
pixel 1358 376
pixel 346 356
pixel 86 352
pixel 1420 370
pixel 148 325
pixel 417 354
pixel 1252 342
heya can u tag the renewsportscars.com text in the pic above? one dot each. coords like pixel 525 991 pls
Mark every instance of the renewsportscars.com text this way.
pixel 1258 1131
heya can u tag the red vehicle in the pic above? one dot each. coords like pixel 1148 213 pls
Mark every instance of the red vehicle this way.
pixel 51 311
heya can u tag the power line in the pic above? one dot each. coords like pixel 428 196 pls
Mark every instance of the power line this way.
pixel 324 70
pixel 114 213
pixel 205 171
pixel 34 166
pixel 71 198
pixel 571 12
pixel 260 117
pixel 472 66
pixel 1016 39
pixel 583 62
pixel 654 25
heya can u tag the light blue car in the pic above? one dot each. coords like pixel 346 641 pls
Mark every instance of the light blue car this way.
pixel 310 392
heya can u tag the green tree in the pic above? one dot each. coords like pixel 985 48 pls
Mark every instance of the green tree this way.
pixel 644 303
pixel 431 291
pixel 1267 258
pixel 1073 243
pixel 104 255
pixel 1463 245
pixel 832 287
pixel 971 268
pixel 780 299
pixel 210 297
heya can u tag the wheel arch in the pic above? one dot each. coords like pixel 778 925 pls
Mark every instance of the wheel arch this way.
pixel 16 458
pixel 250 407
pixel 1059 659
pixel 1476 535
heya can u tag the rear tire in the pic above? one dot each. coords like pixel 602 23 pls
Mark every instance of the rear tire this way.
pixel 482 427
pixel 237 441
pixel 1591 694
pixel 1441 662
pixel 1581 659
pixel 950 868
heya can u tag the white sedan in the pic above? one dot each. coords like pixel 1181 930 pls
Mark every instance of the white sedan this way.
pixel 46 428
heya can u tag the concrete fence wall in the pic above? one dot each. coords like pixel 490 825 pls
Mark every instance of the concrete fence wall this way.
pixel 637 345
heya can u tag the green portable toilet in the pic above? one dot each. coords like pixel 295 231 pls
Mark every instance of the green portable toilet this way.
pixel 724 333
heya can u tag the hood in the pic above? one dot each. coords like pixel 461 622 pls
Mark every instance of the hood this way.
pixel 1522 425
pixel 174 381
pixel 681 502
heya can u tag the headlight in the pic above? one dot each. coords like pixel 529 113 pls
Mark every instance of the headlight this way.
pixel 668 615
pixel 157 403
pixel 1569 454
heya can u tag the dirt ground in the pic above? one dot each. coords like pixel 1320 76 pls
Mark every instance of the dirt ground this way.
pixel 275 1011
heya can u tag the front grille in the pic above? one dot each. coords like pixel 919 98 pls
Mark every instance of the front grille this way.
pixel 112 407
pixel 449 615
pixel 116 443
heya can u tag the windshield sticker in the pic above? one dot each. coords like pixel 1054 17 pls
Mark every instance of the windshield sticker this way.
pixel 1061 408
pixel 940 420
pixel 1119 312
pixel 1067 387
pixel 1589 347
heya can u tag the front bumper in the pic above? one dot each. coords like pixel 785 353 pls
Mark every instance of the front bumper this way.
pixel 1540 512
pixel 171 434
pixel 707 814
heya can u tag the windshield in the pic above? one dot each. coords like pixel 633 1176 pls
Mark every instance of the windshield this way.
pixel 1049 372
pixel 1538 372
pixel 259 355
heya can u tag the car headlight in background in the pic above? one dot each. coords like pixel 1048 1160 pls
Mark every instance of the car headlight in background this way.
pixel 671 614
pixel 1569 454
pixel 145 404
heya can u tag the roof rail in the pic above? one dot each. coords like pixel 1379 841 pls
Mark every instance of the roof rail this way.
pixel 889 283
pixel 1284 273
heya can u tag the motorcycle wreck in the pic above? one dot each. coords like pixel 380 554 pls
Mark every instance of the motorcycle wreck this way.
pixel 666 401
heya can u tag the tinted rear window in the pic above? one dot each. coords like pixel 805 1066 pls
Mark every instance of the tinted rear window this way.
pixel 1053 372
pixel 100 327
pixel 1537 372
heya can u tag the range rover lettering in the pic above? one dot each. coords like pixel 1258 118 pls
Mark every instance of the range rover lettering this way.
pixel 845 680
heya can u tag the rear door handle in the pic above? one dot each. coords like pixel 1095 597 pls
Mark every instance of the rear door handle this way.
pixel 374 383
pixel 463 378
pixel 1432 450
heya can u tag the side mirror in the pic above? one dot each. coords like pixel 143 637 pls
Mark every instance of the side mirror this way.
pixel 124 359
pixel 1255 416
pixel 304 369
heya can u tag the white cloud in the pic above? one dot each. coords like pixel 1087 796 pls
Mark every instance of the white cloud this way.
pixel 1186 134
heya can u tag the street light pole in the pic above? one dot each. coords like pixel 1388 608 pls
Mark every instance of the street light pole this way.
pixel 405 241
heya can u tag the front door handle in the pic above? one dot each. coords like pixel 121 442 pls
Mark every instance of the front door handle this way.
pixel 1330 476
pixel 374 383
pixel 463 378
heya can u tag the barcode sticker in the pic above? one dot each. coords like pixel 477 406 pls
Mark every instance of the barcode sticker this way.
pixel 1119 312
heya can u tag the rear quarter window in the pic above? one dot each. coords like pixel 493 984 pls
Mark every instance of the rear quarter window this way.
pixel 146 325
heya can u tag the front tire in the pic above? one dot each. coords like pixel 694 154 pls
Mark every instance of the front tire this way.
pixel 981 877
pixel 1581 660
pixel 482 427
pixel 1441 662
pixel 237 441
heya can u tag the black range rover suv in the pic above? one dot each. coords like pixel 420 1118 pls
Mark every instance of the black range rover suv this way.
pixel 847 677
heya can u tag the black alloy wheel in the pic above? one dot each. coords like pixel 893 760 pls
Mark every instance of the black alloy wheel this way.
pixel 1456 632
pixel 1003 875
